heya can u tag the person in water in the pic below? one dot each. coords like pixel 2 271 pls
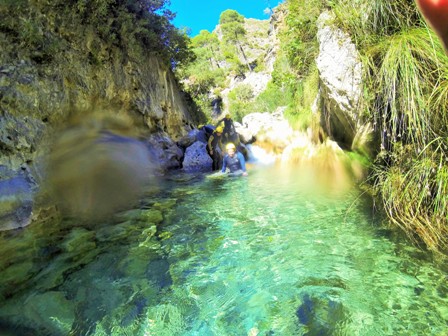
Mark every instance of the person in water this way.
pixel 234 161
pixel 214 146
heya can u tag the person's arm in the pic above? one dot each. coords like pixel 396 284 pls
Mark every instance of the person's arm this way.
pixel 242 162
pixel 209 143
pixel 224 164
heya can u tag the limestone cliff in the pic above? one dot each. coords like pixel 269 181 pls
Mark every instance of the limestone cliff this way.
pixel 261 46
pixel 57 67
pixel 340 75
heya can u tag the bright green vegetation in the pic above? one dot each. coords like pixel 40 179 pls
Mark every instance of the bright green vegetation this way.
pixel 294 81
pixel 405 97
pixel 277 253
pixel 206 72
pixel 46 27
pixel 220 59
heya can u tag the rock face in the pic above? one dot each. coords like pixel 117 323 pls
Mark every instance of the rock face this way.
pixel 272 130
pixel 164 151
pixel 196 158
pixel 340 72
pixel 16 198
pixel 260 46
pixel 37 94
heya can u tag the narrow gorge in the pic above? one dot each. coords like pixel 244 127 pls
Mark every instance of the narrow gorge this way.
pixel 112 221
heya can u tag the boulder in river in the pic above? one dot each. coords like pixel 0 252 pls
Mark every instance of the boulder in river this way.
pixel 196 158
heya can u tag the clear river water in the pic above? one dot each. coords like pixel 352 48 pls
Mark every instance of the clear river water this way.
pixel 276 253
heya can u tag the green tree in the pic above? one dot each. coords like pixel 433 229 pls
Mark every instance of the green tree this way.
pixel 207 46
pixel 133 25
pixel 240 101
pixel 232 26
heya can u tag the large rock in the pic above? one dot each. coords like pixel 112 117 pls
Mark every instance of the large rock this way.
pixel 19 139
pixel 197 134
pixel 269 129
pixel 340 71
pixel 245 134
pixel 16 199
pixel 165 152
pixel 37 95
pixel 196 158
pixel 320 314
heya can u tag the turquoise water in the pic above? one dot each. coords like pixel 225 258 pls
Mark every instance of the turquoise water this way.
pixel 277 253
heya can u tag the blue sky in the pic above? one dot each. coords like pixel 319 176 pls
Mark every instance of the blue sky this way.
pixel 204 14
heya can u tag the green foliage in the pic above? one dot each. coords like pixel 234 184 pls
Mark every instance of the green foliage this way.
pixel 206 46
pixel 230 16
pixel 299 111
pixel 232 26
pixel 367 21
pixel 405 96
pixel 299 39
pixel 202 78
pixel 240 99
pixel 234 34
pixel 295 75
pixel 273 97
pixel 414 192
pixel 137 26
pixel 204 74
pixel 406 93
pixel 406 66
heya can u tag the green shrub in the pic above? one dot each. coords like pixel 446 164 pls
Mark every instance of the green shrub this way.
pixel 240 101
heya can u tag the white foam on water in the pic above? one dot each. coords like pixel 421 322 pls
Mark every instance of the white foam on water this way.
pixel 259 155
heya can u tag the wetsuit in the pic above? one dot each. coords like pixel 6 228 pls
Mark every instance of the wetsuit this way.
pixel 230 134
pixel 236 164
pixel 214 150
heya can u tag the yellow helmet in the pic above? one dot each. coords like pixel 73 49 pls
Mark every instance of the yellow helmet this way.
pixel 230 146
pixel 219 129
pixel 228 115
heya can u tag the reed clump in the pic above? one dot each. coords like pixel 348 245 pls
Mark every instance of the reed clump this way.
pixel 405 98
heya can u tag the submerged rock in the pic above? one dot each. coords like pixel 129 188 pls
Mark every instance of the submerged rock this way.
pixel 320 314
pixel 52 311
pixel 146 216
pixel 49 313
pixel 78 241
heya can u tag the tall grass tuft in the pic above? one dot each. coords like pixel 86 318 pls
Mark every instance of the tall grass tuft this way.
pixel 415 194
pixel 367 21
pixel 404 68
pixel 406 91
